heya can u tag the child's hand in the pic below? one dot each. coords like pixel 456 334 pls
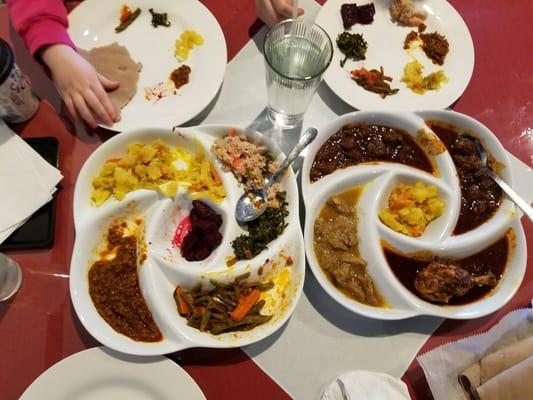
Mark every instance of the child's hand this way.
pixel 273 11
pixel 80 86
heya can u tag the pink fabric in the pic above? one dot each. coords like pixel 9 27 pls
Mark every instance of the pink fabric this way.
pixel 40 23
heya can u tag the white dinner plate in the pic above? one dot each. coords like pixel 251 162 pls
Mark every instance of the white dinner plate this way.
pixel 385 40
pixel 93 22
pixel 102 374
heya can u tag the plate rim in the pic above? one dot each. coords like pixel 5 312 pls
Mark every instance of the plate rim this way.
pixel 104 354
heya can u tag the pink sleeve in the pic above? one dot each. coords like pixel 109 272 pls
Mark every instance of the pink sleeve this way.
pixel 40 23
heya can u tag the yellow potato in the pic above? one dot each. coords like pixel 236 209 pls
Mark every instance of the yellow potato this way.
pixel 411 208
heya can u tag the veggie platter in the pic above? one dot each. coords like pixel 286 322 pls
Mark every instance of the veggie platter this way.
pixel 132 285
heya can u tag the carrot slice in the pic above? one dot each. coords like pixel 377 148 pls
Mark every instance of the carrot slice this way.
pixel 245 305
pixel 183 308
pixel 214 174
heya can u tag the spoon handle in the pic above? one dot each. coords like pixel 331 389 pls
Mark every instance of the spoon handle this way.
pixel 307 137
pixel 520 202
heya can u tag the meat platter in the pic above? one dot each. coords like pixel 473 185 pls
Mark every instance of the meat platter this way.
pixel 433 235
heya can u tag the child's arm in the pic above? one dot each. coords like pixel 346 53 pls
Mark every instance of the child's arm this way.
pixel 42 24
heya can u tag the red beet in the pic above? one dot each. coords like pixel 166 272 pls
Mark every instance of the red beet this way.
pixel 352 14
pixel 203 236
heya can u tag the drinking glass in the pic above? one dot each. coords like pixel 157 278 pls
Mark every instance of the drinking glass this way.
pixel 10 277
pixel 297 52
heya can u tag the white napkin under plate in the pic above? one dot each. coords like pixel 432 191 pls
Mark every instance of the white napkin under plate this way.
pixel 27 181
pixel 366 385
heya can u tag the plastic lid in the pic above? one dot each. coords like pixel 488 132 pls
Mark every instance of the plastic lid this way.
pixel 6 60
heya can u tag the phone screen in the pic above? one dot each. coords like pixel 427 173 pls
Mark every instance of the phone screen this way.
pixel 38 231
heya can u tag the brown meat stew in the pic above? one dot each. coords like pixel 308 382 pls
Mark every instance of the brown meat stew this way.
pixel 452 282
pixel 114 289
pixel 480 195
pixel 336 248
pixel 361 143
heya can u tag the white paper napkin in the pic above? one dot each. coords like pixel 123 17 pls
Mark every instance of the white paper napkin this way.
pixel 366 385
pixel 27 181
pixel 443 364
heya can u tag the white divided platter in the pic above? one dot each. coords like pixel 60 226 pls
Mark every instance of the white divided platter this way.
pixel 164 268
pixel 377 180
pixel 92 24
pixel 385 40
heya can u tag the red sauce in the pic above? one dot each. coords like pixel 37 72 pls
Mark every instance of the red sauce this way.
pixel 180 76
pixel 114 290
pixel 491 259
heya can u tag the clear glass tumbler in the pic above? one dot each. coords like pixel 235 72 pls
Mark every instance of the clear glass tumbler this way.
pixel 297 52
pixel 10 277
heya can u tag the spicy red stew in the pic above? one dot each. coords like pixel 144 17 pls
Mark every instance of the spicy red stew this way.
pixel 114 290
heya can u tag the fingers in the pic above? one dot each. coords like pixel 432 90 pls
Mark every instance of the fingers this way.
pixel 103 99
pixel 71 109
pixel 108 84
pixel 98 107
pixel 83 110
pixel 283 7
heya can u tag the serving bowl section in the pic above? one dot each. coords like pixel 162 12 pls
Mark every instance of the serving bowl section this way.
pixel 161 267
pixel 388 271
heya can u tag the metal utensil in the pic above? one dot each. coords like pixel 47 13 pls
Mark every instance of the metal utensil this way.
pixel 520 202
pixel 253 202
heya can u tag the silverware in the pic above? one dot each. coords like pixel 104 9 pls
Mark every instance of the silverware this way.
pixel 253 202
pixel 520 202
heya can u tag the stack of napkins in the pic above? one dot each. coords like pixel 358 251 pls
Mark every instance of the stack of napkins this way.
pixel 27 181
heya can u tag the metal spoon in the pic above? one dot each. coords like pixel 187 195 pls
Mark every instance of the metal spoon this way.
pixel 520 202
pixel 253 202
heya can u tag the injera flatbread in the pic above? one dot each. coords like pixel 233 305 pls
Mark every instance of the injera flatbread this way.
pixel 494 363
pixel 115 63
pixel 514 383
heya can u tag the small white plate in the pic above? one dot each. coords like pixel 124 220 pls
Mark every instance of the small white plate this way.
pixel 100 374
pixel 93 22
pixel 385 48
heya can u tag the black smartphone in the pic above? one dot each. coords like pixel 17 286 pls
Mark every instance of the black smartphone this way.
pixel 38 231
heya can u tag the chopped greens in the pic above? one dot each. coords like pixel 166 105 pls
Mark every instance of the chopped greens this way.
pixel 261 231
pixel 352 45
pixel 159 19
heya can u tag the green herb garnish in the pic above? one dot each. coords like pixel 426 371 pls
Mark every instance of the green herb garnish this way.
pixel 352 45
pixel 159 19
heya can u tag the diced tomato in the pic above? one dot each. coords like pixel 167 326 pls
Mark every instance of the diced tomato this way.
pixel 183 229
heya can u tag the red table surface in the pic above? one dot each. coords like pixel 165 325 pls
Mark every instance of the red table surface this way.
pixel 39 327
